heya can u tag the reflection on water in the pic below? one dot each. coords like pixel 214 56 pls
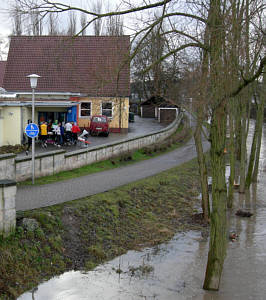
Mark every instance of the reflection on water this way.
pixel 176 270
pixel 162 272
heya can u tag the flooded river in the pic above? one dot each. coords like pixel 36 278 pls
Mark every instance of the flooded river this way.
pixel 175 270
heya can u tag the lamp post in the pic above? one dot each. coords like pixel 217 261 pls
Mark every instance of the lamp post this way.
pixel 33 83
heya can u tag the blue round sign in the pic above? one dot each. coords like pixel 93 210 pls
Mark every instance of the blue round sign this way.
pixel 32 130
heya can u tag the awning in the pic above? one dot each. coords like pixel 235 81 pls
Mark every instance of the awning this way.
pixel 40 103
pixel 55 104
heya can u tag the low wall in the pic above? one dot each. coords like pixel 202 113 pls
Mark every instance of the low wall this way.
pixel 7 166
pixel 52 162
pixel 8 191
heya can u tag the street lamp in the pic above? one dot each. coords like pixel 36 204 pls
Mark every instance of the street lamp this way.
pixel 33 83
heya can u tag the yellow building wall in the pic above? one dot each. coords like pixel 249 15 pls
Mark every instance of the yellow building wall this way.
pixel 120 108
pixel 26 115
pixel 11 125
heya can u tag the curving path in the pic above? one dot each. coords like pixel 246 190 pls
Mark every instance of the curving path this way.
pixel 30 197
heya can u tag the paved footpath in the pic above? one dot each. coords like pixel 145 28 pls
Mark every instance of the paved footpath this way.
pixel 30 197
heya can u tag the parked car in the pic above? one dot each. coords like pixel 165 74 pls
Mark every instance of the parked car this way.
pixel 99 125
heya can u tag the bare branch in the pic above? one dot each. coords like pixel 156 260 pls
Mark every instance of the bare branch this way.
pixel 188 36
pixel 247 81
pixel 170 53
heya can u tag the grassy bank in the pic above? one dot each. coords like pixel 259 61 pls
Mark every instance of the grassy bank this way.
pixel 86 232
pixel 182 134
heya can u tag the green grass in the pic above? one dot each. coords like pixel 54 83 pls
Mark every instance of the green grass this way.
pixel 176 140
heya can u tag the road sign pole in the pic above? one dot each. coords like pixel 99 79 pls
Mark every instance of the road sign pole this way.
pixel 33 139
pixel 33 83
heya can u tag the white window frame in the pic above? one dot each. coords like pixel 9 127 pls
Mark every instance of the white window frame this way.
pixel 85 117
pixel 109 109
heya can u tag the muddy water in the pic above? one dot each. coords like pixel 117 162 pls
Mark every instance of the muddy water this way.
pixel 176 270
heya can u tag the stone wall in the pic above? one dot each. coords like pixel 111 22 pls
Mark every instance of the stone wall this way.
pixel 52 162
pixel 8 191
pixel 7 166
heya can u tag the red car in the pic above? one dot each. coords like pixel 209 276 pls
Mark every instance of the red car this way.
pixel 99 125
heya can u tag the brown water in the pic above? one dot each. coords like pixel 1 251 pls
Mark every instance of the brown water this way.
pixel 175 270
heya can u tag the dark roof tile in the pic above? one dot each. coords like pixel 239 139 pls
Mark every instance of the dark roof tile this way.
pixel 86 64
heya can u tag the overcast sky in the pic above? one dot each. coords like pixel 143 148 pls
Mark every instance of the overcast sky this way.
pixel 6 26
pixel 129 20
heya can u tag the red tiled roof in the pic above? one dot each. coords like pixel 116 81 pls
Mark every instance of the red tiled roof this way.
pixel 86 64
pixel 2 71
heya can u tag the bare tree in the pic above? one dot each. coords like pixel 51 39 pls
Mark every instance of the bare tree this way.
pixel 72 23
pixel 36 23
pixel 83 22
pixel 114 26
pixel 97 7
pixel 16 19
pixel 30 23
pixel 148 54
pixel 52 24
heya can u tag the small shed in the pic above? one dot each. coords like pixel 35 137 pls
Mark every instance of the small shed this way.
pixel 149 108
pixel 167 115
pixel 159 108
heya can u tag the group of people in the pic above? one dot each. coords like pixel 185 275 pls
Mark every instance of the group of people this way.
pixel 58 133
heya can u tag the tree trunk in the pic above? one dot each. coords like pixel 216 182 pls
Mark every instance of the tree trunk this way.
pixel 243 146
pixel 260 125
pixel 253 151
pixel 233 105
pixel 203 171
pixel 217 246
pixel 238 129
pixel 232 156
pixel 247 98
pixel 198 131
pixel 257 159
pixel 217 250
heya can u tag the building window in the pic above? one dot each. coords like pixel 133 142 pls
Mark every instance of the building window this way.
pixel 107 109
pixel 85 109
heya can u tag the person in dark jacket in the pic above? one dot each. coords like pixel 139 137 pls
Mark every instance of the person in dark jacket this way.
pixel 62 134
pixel 29 142
pixel 28 145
